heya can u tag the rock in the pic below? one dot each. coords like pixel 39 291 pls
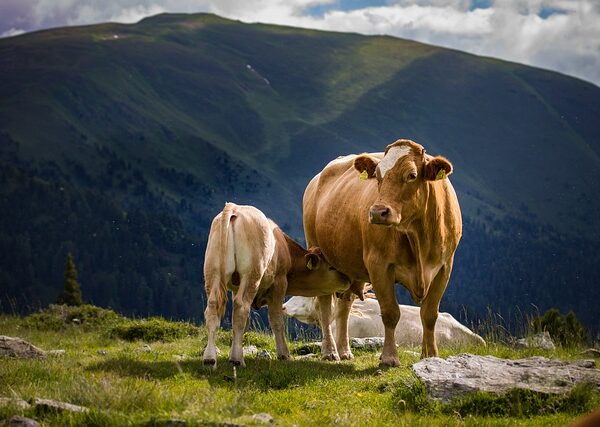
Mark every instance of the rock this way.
pixel 264 354
pixel 541 340
pixel 55 353
pixel 21 349
pixel 48 405
pixel 18 421
pixel 306 356
pixel 76 321
pixel 263 418
pixel 465 373
pixel 308 348
pixel 368 343
pixel 591 352
pixel 146 348
pixel 250 350
pixel 175 422
pixel 102 352
pixel 18 403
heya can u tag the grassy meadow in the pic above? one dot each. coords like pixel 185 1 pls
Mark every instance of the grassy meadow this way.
pixel 129 381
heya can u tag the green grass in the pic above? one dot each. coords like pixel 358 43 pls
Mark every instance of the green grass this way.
pixel 127 383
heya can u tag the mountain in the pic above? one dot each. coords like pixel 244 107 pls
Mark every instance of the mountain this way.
pixel 119 143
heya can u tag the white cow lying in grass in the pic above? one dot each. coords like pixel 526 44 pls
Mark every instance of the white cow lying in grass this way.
pixel 365 321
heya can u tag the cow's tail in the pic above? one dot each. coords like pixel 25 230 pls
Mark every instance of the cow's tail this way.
pixel 228 212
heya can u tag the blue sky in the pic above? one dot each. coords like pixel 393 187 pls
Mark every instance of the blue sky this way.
pixel 561 35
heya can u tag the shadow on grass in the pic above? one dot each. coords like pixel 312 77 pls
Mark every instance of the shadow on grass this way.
pixel 261 374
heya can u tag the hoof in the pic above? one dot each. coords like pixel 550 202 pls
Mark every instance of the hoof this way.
pixel 237 363
pixel 391 362
pixel 211 362
pixel 332 357
pixel 284 357
pixel 347 356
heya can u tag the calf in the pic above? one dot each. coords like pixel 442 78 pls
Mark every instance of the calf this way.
pixel 365 321
pixel 248 254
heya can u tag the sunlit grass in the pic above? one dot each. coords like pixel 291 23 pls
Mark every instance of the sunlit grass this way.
pixel 138 383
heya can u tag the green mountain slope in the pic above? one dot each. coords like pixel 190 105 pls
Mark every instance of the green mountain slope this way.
pixel 148 129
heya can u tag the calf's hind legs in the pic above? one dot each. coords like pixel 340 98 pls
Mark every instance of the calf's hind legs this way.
pixel 241 308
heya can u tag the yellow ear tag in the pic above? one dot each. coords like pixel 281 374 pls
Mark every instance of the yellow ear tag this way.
pixel 364 175
pixel 309 264
pixel 441 174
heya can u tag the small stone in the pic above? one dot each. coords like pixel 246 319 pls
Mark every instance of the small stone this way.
pixel 48 405
pixel 378 372
pixel 18 421
pixel 102 352
pixel 306 356
pixel 263 418
pixel 250 350
pixel 591 352
pixel 179 357
pixel 541 340
pixel 368 343
pixel 264 354
pixel 146 348
pixel 76 321
pixel 9 401
pixel 55 352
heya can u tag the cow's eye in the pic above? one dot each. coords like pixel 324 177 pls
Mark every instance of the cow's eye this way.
pixel 411 177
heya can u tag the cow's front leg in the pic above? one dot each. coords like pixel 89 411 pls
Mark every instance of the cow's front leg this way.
pixel 215 308
pixel 342 313
pixel 276 316
pixel 429 312
pixel 328 347
pixel 383 285
pixel 241 308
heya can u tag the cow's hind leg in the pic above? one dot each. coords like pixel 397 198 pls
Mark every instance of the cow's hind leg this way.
pixel 215 308
pixel 342 313
pixel 328 347
pixel 276 316
pixel 241 308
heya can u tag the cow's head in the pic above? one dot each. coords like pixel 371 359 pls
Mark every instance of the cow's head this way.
pixel 318 270
pixel 401 177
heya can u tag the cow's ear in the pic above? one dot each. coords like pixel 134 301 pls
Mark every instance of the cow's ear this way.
pixel 437 168
pixel 366 166
pixel 312 261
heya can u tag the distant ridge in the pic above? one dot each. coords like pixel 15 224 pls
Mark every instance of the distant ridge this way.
pixel 120 142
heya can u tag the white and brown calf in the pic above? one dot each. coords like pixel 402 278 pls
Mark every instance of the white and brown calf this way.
pixel 248 254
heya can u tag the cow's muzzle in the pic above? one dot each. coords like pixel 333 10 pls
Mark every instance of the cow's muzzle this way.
pixel 381 214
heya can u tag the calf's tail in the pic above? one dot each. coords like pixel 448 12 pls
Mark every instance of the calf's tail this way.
pixel 227 214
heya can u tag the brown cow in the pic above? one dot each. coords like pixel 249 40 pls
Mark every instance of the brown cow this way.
pixel 385 218
pixel 248 254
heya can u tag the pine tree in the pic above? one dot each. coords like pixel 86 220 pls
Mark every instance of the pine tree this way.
pixel 71 294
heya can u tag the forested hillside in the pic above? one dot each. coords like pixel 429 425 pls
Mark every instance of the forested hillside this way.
pixel 119 143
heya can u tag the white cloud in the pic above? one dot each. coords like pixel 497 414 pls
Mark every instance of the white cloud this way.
pixel 11 32
pixel 565 38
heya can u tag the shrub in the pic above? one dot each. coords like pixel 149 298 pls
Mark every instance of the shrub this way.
pixel 58 317
pixel 153 329
pixel 565 330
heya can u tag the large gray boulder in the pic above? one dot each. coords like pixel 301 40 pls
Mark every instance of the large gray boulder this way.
pixel 457 375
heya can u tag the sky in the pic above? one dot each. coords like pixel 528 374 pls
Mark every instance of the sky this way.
pixel 560 35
